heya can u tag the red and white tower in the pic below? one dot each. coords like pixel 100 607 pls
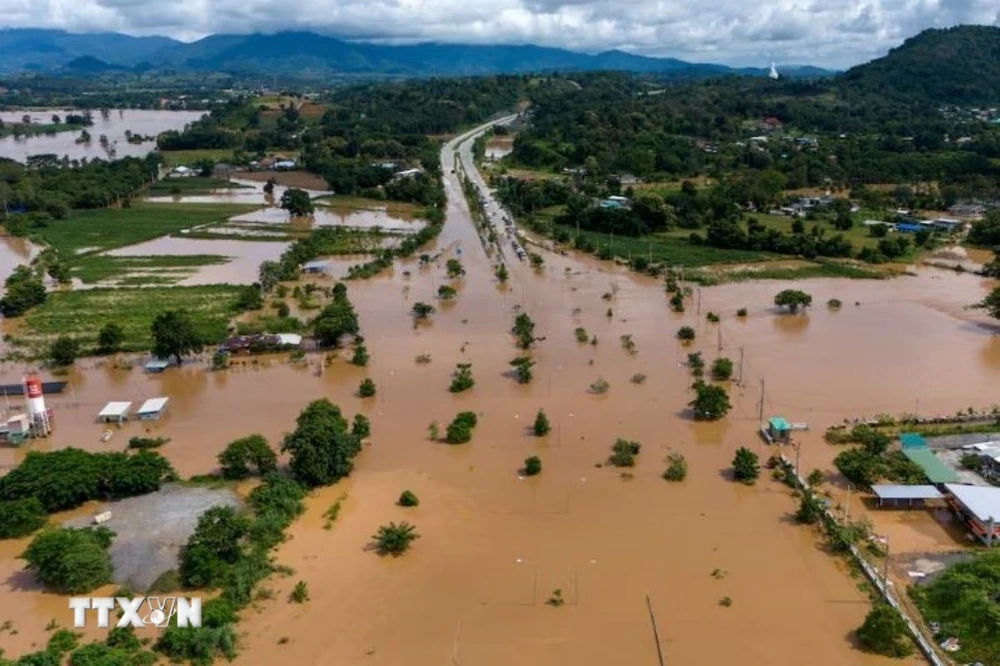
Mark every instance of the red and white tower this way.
pixel 38 415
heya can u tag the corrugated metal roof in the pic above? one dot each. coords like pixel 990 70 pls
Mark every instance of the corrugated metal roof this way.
pixel 115 409
pixel 906 492
pixel 779 423
pixel 153 405
pixel 982 501
pixel 935 470
pixel 912 440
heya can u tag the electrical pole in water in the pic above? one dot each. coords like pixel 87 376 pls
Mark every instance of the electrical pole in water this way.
pixel 699 301
pixel 739 379
pixel 761 402
pixel 718 329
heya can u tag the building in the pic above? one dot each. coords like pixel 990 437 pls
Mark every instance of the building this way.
pixel 779 430
pixel 183 172
pixel 284 165
pixel 979 506
pixel 915 448
pixel 615 202
pixel 971 212
pixel 316 267
pixel 156 366
pixel 408 173
pixel 910 495
pixel 152 409
pixel 947 224
pixel 115 412
pixel 261 343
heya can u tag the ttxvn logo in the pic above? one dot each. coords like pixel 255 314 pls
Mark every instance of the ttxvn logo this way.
pixel 138 612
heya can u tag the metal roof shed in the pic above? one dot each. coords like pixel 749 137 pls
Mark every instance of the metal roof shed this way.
pixel 153 408
pixel 909 494
pixel 115 412
pixel 911 440
pixel 935 470
pixel 983 502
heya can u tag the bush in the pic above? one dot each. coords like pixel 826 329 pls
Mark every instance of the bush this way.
pixel 446 292
pixel 110 338
pixel 793 299
pixel 248 456
pixel 677 302
pixel 722 369
pixel 677 468
pixel 712 318
pixel 141 443
pixel 623 453
pixel 581 334
pixel 972 461
pixel 214 547
pixel 884 632
pixel 522 369
pixel 462 378
pixel 300 593
pixel 810 509
pixel 746 466
pixel 366 389
pixel 685 333
pixel 600 386
pixel 361 427
pixel 422 310
pixel 361 356
pixel 834 304
pixel 542 426
pixel 64 350
pixel 742 312
pixel 460 429
pixel 408 498
pixel 532 466
pixel 395 538
pixel 454 268
pixel 711 403
pixel 21 517
pixel 71 561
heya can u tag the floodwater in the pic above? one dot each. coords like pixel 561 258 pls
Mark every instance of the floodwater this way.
pixel 243 266
pixel 141 122
pixel 499 147
pixel 248 192
pixel 494 546
pixel 325 216
pixel 14 252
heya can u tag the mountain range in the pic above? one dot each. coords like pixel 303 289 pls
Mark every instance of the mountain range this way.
pixel 306 54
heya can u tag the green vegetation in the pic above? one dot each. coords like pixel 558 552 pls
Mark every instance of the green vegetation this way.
pixel 81 314
pixel 711 403
pixel 422 310
pixel 321 448
pixel 960 599
pixel 408 498
pixel 71 561
pixel 194 185
pixel 110 339
pixel 140 443
pixel 460 429
pixel 746 466
pixel 24 290
pixel 522 369
pixel 446 292
pixel 361 426
pixel 524 331
pixel 872 461
pixel 685 334
pixel 696 363
pixel 581 335
pixel 884 632
pixel 810 508
pixel 722 369
pixel 299 593
pixel 64 350
pixel 159 269
pixel 395 538
pixel 246 457
pixel 600 386
pixel 454 268
pixel 532 466
pixel 297 202
pixel 501 273
pixel 556 600
pixel 793 299
pixel 336 320
pixel 462 378
pixel 541 427
pixel 628 344
pixel 367 388
pixel 21 517
pixel 176 334
pixel 677 467
pixel 623 453
pixel 742 312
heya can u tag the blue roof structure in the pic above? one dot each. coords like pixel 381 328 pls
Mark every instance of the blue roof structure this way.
pixel 912 440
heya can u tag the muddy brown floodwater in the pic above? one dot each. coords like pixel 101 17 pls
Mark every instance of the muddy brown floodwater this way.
pixel 494 546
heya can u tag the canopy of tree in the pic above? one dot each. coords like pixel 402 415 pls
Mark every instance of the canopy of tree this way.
pixel 322 447
pixel 71 561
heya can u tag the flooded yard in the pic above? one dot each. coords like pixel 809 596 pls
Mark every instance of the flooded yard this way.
pixel 242 267
pixel 139 122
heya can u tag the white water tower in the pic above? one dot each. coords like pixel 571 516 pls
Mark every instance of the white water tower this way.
pixel 38 415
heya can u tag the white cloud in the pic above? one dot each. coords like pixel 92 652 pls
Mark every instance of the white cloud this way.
pixel 831 33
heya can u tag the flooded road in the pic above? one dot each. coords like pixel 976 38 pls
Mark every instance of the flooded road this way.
pixel 494 546
pixel 139 122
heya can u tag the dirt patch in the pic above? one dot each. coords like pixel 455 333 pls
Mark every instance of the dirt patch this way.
pixel 303 179
pixel 151 529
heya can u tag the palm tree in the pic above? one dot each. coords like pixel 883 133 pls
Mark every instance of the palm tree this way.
pixel 395 538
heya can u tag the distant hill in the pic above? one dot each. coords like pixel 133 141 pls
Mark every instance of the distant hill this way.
pixel 90 65
pixel 49 50
pixel 955 65
pixel 309 54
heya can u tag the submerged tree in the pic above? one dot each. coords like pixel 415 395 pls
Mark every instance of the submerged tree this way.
pixel 297 202
pixel 395 538
pixel 422 310
pixel 454 268
pixel 524 330
pixel 711 402
pixel 71 561
pixel 321 447
pixel 246 457
pixel 174 334
pixel 793 299
pixel 746 467
pixel 884 632
pixel 522 369
pixel 541 426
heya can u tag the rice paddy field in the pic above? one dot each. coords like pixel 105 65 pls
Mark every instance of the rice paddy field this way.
pixel 81 314
pixel 121 271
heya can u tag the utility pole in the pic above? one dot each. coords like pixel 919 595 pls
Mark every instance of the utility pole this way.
pixel 718 329
pixel 885 565
pixel 798 456
pixel 739 379
pixel 699 301
pixel 761 416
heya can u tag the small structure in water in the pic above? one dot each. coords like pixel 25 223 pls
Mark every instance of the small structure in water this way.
pixel 910 495
pixel 152 409
pixel 317 267
pixel 115 412
pixel 779 431
pixel 156 365
pixel 979 506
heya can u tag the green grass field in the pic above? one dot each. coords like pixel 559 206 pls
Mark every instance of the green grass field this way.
pixel 189 186
pixel 82 313
pixel 174 158
pixel 165 269
pixel 89 231
pixel 34 130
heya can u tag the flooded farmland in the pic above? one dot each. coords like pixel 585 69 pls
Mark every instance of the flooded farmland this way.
pixel 494 546
pixel 137 121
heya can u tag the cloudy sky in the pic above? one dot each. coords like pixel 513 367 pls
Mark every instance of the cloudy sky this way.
pixel 831 33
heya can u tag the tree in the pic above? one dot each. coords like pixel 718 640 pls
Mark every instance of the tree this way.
pixel 746 467
pixel 60 272
pixel 268 275
pixel 501 273
pixel 810 508
pixel 711 403
pixel 446 292
pixel 174 334
pixel 522 369
pixel 111 337
pixel 460 429
pixel 24 291
pixel 64 350
pixel 462 378
pixel 524 330
pixel 454 268
pixel 321 448
pixel 677 468
pixel 249 456
pixel 395 538
pixel 541 426
pixel 408 498
pixel 361 356
pixel 685 333
pixel 361 427
pixel 422 310
pixel 269 186
pixel 623 453
pixel 991 303
pixel 71 561
pixel 215 545
pixel 336 319
pixel 532 466
pixel 793 299
pixel 884 632
pixel 297 202
pixel 722 369
pixel 367 388
pixel 21 517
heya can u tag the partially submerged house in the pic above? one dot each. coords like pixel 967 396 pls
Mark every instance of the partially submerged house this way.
pixel 259 343
pixel 979 506
pixel 115 412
